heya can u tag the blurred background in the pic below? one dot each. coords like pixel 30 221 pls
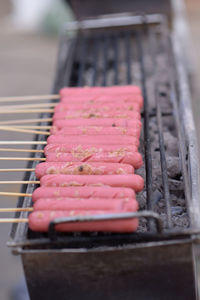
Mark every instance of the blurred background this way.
pixel 28 48
pixel 28 51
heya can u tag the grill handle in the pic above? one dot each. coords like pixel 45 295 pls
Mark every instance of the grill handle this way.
pixel 119 216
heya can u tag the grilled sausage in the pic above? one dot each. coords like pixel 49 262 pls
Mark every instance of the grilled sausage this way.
pixel 95 101
pixel 103 106
pixel 134 159
pixel 97 90
pixel 82 168
pixel 135 115
pixel 133 181
pixel 88 149
pixel 128 204
pixel 94 130
pixel 105 122
pixel 83 192
pixel 93 140
pixel 40 220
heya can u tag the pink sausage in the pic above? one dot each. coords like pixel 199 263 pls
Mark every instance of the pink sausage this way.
pixel 107 122
pixel 133 181
pixel 87 149
pixel 83 192
pixel 100 90
pixel 95 100
pixel 82 168
pixel 134 159
pixel 135 115
pixel 93 139
pixel 39 221
pixel 92 130
pixel 133 124
pixel 86 106
pixel 112 204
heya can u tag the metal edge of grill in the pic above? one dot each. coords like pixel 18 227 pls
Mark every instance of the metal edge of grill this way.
pixel 20 231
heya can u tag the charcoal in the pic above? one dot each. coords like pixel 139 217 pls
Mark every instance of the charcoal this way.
pixel 171 143
pixel 142 199
pixel 177 210
pixel 181 220
pixel 143 225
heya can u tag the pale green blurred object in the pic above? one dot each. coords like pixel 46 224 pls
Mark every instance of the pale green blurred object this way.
pixel 57 14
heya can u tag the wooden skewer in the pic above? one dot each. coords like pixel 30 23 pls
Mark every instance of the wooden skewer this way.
pixel 13 220
pixel 30 127
pixel 23 143
pixel 33 127
pixel 29 98
pixel 17 170
pixel 9 122
pixel 11 194
pixel 21 150
pixel 24 158
pixel 16 209
pixel 5 128
pixel 27 111
pixel 20 182
pixel 23 106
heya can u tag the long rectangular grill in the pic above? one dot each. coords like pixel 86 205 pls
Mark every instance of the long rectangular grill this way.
pixel 133 56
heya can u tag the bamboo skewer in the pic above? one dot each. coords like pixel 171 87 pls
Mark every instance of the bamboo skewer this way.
pixel 29 98
pixel 23 158
pixel 27 111
pixel 27 121
pixel 24 106
pixel 30 127
pixel 16 209
pixel 13 220
pixel 23 142
pixel 17 170
pixel 20 182
pixel 21 150
pixel 6 128
pixel 11 194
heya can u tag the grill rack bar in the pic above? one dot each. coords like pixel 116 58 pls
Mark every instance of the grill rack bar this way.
pixel 182 146
pixel 106 43
pixel 83 61
pixel 147 142
pixel 95 59
pixel 120 216
pixel 128 56
pixel 159 114
pixel 163 162
pixel 180 131
pixel 116 59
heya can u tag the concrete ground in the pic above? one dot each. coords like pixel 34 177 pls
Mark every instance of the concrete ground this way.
pixel 27 64
pixel 27 67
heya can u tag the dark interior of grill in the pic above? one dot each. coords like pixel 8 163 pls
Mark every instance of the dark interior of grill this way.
pixel 138 56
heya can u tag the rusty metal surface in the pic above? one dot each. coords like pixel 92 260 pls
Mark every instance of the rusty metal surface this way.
pixel 151 271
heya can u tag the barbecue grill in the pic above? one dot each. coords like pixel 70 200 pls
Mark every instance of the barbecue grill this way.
pixel 159 261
